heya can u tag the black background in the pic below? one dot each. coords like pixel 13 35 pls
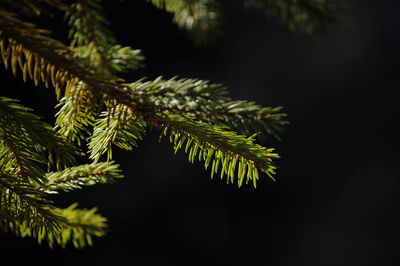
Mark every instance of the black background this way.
pixel 336 198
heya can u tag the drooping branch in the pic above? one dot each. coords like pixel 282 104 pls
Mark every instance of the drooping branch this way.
pixel 116 93
pixel 221 147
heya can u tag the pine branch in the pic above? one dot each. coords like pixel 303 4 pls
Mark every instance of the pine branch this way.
pixel 80 227
pixel 208 103
pixel 88 24
pixel 83 175
pixel 118 126
pixel 92 39
pixel 27 216
pixel 250 118
pixel 308 16
pixel 24 137
pixel 219 147
pixel 111 91
pixel 18 154
pixel 22 205
pixel 200 18
pixel 77 113
pixel 20 158
pixel 42 58
pixel 194 114
pixel 24 209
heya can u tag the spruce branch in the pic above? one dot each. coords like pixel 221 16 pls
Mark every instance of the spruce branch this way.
pixel 18 151
pixel 25 210
pixel 80 226
pixel 25 141
pixel 118 126
pixel 99 107
pixel 220 148
pixel 44 59
pixel 114 91
pixel 77 113
pixel 83 175
pixel 27 215
pixel 21 158
pixel 88 24
pixel 92 39
pixel 249 118
pixel 22 205
pixel 209 103
pixel 20 129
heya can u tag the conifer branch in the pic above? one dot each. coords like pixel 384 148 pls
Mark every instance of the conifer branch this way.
pixel 22 212
pixel 42 58
pixel 120 94
pixel 24 186
pixel 83 175
pixel 88 24
pixel 8 148
pixel 18 154
pixel 22 205
pixel 208 102
pixel 25 211
pixel 20 129
pixel 97 106
pixel 92 39
pixel 118 126
pixel 249 118
pixel 80 227
pixel 77 113
pixel 216 145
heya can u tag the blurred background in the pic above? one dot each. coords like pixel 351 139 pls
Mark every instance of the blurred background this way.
pixel 336 199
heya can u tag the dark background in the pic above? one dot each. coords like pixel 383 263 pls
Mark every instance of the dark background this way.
pixel 336 198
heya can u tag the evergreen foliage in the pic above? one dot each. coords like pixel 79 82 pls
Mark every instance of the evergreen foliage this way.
pixel 98 108
pixel 29 150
